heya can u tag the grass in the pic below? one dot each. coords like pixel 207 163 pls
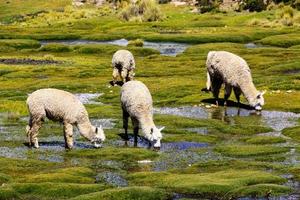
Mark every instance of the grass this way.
pixel 141 193
pixel 292 132
pixel 250 150
pixel 237 162
pixel 212 185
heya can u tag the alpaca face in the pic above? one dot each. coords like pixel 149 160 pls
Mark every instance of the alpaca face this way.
pixel 259 101
pixel 156 136
pixel 99 136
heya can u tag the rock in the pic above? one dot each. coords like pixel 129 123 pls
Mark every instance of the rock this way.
pixel 145 161
pixel 111 178
pixel 289 91
pixel 207 106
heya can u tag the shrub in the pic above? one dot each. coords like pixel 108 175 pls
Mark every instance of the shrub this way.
pixel 207 5
pixel 296 4
pixel 254 5
pixel 136 43
pixel 143 10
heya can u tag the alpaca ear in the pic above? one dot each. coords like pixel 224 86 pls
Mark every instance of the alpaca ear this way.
pixel 161 128
pixel 101 127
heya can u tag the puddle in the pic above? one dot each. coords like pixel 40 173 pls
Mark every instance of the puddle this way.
pixel 27 61
pixel 165 48
pixel 89 98
pixel 277 120
pixel 171 146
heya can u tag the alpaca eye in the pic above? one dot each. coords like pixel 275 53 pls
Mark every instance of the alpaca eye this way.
pixel 151 132
pixel 96 130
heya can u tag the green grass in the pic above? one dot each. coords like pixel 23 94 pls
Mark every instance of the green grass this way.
pixel 236 161
pixel 293 133
pixel 212 185
pixel 140 193
pixel 265 140
pixel 250 150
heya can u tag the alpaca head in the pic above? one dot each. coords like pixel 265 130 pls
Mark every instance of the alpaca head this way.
pixel 155 136
pixel 259 101
pixel 97 136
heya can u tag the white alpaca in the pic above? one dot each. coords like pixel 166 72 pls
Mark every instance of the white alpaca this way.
pixel 234 72
pixel 62 106
pixel 136 103
pixel 123 66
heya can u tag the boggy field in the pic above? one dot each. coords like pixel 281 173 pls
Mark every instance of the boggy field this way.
pixel 206 153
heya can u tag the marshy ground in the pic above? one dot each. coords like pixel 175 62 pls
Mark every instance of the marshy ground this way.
pixel 206 153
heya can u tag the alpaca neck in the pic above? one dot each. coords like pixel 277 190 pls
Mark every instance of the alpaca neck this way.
pixel 85 129
pixel 250 92
pixel 146 124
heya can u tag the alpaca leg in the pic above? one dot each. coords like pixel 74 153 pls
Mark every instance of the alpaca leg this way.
pixel 130 76
pixel 237 93
pixel 125 124
pixel 28 131
pixel 216 85
pixel 115 75
pixel 68 134
pixel 208 82
pixel 228 89
pixel 135 125
pixel 124 74
pixel 34 131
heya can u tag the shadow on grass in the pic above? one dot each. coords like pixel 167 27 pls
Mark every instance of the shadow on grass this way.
pixel 229 103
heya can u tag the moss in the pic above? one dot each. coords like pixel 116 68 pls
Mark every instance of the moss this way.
pixel 286 40
pixel 141 193
pixel 4 178
pixel 65 175
pixel 209 185
pixel 17 167
pixel 215 166
pixel 55 47
pixel 20 43
pixel 292 132
pixel 250 150
pixel 55 190
pixel 128 155
pixel 8 193
pixel 265 140
pixel 262 190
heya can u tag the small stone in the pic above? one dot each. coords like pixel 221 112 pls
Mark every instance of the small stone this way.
pixel 145 161
pixel 289 91
pixel 207 106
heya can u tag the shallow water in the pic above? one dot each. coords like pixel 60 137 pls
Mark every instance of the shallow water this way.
pixel 88 98
pixel 277 120
pixel 173 155
pixel 165 48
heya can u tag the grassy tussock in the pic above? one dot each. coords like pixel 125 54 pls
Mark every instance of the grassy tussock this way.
pixel 250 150
pixel 140 193
pixel 212 185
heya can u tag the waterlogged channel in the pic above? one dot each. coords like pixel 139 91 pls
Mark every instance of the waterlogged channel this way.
pixel 177 155
pixel 165 48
